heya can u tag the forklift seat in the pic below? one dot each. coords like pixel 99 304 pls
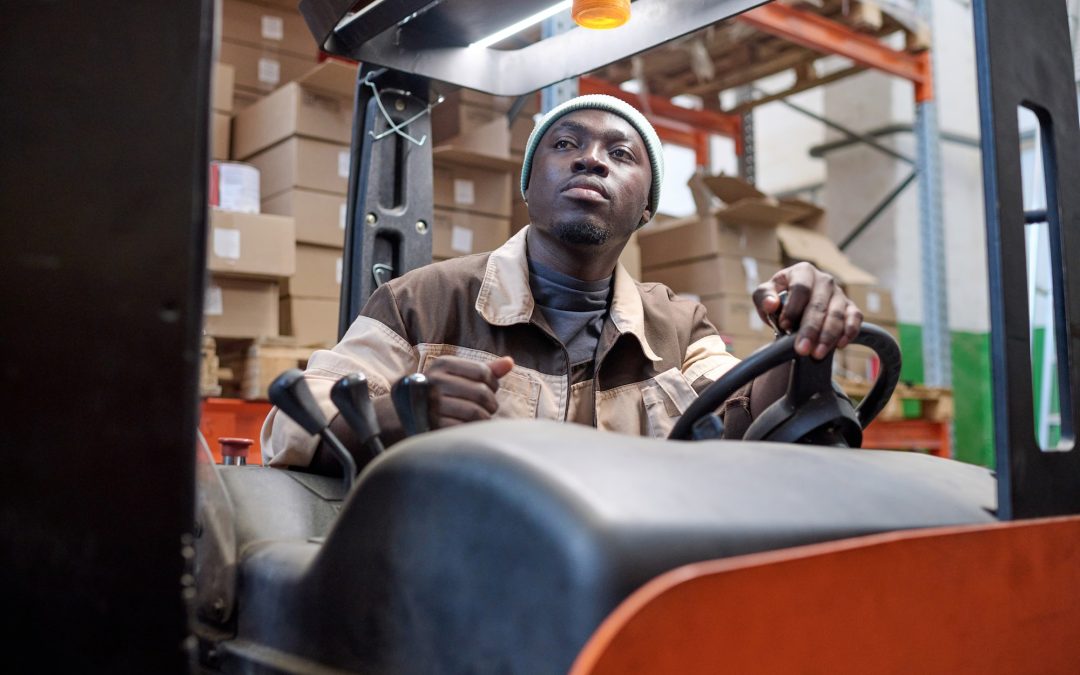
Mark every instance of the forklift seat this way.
pixel 501 546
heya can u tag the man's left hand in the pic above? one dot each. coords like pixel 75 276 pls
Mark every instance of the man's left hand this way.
pixel 826 317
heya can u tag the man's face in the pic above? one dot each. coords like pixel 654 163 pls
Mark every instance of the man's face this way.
pixel 590 179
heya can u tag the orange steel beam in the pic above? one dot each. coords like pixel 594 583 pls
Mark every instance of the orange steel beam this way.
pixel 815 32
pixel 662 110
pixel 997 598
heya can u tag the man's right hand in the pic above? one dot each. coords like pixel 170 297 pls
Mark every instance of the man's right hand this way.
pixel 465 389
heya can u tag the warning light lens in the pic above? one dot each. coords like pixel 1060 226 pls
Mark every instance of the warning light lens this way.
pixel 600 14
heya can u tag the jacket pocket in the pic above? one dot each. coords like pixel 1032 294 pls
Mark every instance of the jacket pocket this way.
pixel 665 401
pixel 518 396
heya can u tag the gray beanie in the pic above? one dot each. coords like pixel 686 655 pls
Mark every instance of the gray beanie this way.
pixel 612 105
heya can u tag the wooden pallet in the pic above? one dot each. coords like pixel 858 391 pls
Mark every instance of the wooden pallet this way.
pixel 935 403
pixel 247 367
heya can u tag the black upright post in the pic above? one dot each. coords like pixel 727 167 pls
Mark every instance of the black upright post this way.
pixel 389 220
pixel 1025 59
pixel 103 182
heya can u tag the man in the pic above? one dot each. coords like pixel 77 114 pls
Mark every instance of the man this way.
pixel 549 325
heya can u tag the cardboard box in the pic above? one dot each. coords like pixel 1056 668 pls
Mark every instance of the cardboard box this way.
pixel 319 216
pixel 743 345
pixel 313 321
pixel 720 274
pixel 695 238
pixel 471 128
pixel 801 244
pixel 458 233
pixel 250 245
pixel 519 211
pixel 746 205
pixel 240 308
pixel 221 97
pixel 267 27
pixel 245 98
pixel 520 130
pixel 318 273
pixel 876 302
pixel 262 70
pixel 303 163
pixel 473 189
pixel 734 315
pixel 631 257
pixel 317 105
pixel 220 136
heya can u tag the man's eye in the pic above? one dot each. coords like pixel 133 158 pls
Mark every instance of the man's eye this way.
pixel 562 144
pixel 621 153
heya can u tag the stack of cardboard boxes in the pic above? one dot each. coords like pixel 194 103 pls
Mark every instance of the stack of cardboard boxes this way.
pixel 298 138
pixel 221 107
pixel 473 174
pixel 738 240
pixel 247 252
pixel 722 254
pixel 268 44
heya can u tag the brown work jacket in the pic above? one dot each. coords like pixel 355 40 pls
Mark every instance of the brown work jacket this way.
pixel 656 351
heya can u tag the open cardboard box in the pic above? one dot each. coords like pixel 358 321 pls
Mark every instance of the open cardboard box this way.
pixel 743 204
pixel 800 244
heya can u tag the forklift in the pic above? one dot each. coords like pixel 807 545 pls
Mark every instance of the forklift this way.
pixel 507 546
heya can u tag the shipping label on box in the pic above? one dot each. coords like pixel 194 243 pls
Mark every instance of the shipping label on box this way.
pixel 319 216
pixel 458 233
pixel 250 245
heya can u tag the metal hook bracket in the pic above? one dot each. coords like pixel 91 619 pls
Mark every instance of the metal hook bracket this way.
pixel 396 128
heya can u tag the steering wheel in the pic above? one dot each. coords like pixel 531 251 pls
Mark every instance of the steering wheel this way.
pixel 811 411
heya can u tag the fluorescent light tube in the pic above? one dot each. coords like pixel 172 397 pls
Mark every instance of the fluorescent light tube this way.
pixel 501 35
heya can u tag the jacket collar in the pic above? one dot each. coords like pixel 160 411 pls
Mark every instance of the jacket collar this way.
pixel 505 297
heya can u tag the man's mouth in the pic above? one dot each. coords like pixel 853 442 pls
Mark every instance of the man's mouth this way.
pixel 586 191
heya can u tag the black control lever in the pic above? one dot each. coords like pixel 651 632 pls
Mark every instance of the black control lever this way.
pixel 350 395
pixel 774 318
pixel 290 393
pixel 410 397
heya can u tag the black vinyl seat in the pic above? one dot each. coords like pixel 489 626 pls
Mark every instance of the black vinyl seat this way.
pixel 501 547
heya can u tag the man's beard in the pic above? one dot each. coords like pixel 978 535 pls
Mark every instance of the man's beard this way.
pixel 581 232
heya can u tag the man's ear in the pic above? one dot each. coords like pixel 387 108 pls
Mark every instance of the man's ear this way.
pixel 646 216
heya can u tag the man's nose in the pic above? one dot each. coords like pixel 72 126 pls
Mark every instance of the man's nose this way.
pixel 591 160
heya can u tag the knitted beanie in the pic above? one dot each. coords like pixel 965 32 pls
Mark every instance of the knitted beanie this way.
pixel 612 105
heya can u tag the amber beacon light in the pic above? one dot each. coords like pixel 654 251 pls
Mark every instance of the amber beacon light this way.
pixel 600 14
